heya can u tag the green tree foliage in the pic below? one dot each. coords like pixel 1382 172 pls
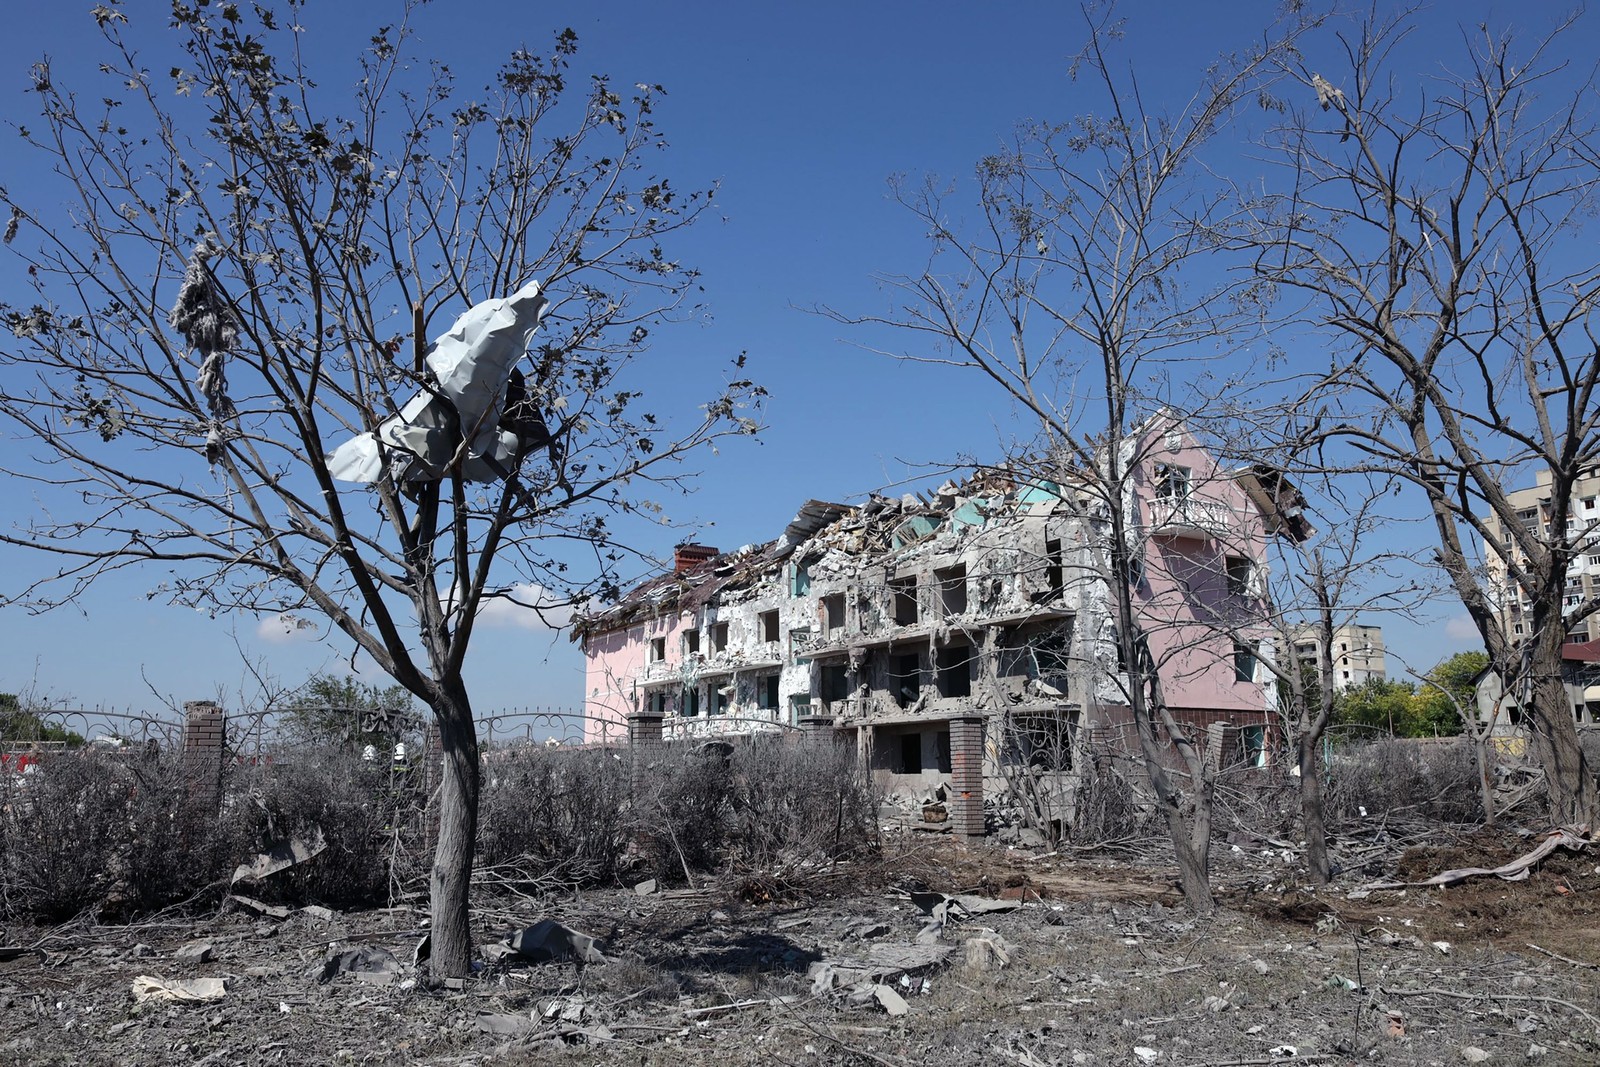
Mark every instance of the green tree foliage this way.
pixel 1378 703
pixel 25 723
pixel 1404 709
pixel 1448 690
pixel 333 710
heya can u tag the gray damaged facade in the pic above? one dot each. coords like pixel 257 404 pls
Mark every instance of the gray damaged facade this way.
pixel 894 623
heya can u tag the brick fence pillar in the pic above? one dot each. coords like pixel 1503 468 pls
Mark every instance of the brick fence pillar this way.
pixel 204 745
pixel 818 729
pixel 644 748
pixel 966 776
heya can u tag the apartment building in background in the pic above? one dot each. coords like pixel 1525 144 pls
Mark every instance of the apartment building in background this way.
pixel 1358 654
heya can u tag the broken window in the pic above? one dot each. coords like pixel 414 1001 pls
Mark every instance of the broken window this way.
pixel 941 750
pixel 800 641
pixel 767 692
pixel 903 593
pixel 658 649
pixel 911 753
pixel 1239 573
pixel 767 623
pixel 657 702
pixel 1045 742
pixel 905 679
pixel 1172 482
pixel 833 684
pixel 952 582
pixel 833 613
pixel 691 643
pixel 799 580
pixel 1054 571
pixel 719 637
pixel 719 702
pixel 691 701
pixel 1253 743
pixel 955 671
pixel 1244 661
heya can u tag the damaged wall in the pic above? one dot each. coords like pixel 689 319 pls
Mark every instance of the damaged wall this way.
pixel 986 597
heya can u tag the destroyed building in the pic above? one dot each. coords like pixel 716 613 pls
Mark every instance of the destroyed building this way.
pixel 971 626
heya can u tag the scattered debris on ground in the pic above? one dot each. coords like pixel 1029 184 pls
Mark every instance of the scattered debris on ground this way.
pixel 970 955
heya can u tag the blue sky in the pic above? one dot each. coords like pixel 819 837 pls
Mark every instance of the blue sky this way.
pixel 801 113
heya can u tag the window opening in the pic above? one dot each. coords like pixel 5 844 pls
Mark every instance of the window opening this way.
pixel 953 589
pixel 955 671
pixel 1244 661
pixel 1172 482
pixel 906 680
pixel 833 613
pixel 1239 569
pixel 911 753
pixel 904 593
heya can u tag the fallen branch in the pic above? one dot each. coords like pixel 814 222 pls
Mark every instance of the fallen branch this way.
pixel 1564 959
pixel 1260 1061
pixel 1515 871
pixel 1430 991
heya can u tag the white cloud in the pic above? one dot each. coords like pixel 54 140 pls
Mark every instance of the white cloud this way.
pixel 1461 628
pixel 513 610
pixel 287 629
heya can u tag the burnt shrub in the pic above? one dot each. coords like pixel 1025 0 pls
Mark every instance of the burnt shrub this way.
pixel 798 802
pixel 64 826
pixel 1403 778
pixel 370 814
pixel 554 816
pixel 774 813
pixel 121 832
pixel 683 816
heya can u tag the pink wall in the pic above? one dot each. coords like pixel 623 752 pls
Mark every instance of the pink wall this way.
pixel 1185 595
pixel 615 661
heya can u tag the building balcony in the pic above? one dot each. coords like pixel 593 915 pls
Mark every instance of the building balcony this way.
pixel 659 671
pixel 1190 517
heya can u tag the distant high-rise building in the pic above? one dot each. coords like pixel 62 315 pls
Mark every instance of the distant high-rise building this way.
pixel 1580 530
pixel 1357 652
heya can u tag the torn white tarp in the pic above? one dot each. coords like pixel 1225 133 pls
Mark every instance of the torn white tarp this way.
pixel 471 365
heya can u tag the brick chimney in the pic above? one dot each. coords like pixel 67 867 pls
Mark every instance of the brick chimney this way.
pixel 687 556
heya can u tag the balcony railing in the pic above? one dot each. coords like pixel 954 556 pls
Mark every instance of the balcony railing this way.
pixel 1191 516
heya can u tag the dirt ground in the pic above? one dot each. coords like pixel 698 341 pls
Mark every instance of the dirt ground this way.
pixel 1093 962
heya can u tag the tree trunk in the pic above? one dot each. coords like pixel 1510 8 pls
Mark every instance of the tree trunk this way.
pixel 1194 857
pixel 458 831
pixel 1482 748
pixel 1312 812
pixel 1574 799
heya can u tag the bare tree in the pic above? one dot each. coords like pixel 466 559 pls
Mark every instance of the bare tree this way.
pixel 312 244
pixel 1074 291
pixel 1321 586
pixel 1444 230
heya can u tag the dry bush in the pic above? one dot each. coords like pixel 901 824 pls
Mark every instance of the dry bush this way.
pixel 770 814
pixel 121 832
pixel 1399 778
pixel 797 808
pixel 61 829
pixel 370 814
pixel 684 817
pixel 1108 807
pixel 554 816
